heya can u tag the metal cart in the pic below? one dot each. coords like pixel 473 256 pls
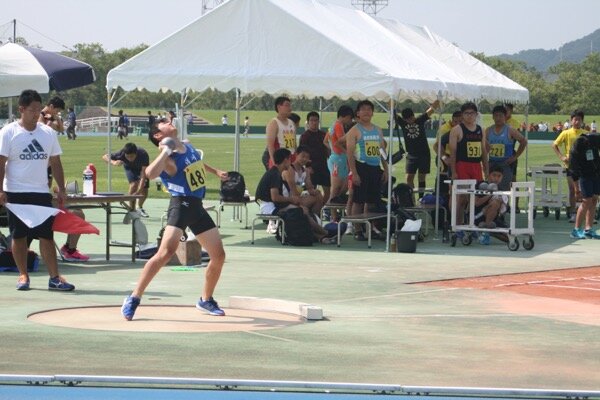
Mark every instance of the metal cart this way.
pixel 550 182
pixel 518 189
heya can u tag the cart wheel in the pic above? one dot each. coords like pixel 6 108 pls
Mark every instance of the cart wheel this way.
pixel 467 239
pixel 557 214
pixel 534 213
pixel 513 244
pixel 546 212
pixel 528 243
pixel 453 240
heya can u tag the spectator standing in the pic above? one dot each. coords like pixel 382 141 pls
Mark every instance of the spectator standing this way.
pixel 246 126
pixel 584 165
pixel 122 126
pixel 224 120
pixel 281 131
pixel 50 115
pixel 151 120
pixel 313 139
pixel 24 180
pixel 134 160
pixel 499 140
pixel 565 140
pixel 593 127
pixel 467 154
pixel 72 120
pixel 363 143
pixel 418 158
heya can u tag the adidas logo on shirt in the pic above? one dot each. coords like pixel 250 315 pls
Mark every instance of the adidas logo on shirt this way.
pixel 34 151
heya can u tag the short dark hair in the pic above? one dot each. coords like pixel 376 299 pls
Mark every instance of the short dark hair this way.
pixel 577 113
pixel 153 130
pixel 497 168
pixel 57 102
pixel 344 111
pixel 280 100
pixel 312 114
pixel 499 109
pixel 281 155
pixel 365 103
pixel 468 106
pixel 120 112
pixel 29 96
pixel 295 118
pixel 302 148
pixel 457 114
pixel 129 148
pixel 407 113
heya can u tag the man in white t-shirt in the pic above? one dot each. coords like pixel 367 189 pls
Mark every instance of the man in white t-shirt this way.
pixel 27 148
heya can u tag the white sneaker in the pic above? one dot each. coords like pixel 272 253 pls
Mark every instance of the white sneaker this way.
pixel 272 227
pixel 142 212
pixel 349 230
pixel 572 219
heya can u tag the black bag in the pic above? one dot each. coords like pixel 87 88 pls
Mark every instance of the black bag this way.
pixel 297 228
pixel 232 190
pixel 7 261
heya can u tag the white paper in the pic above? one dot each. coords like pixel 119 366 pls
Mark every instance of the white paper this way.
pixel 30 214
pixel 411 226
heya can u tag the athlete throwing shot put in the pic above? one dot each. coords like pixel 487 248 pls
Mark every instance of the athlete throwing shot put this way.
pixel 183 174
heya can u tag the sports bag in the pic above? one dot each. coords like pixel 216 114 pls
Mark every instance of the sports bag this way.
pixel 232 190
pixel 297 228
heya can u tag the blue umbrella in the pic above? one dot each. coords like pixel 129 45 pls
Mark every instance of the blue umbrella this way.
pixel 24 67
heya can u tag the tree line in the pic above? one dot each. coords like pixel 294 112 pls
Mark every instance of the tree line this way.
pixel 563 88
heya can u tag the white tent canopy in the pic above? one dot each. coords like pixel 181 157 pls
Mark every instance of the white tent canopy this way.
pixel 297 47
pixel 314 49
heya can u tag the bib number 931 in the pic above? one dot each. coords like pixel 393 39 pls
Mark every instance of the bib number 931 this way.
pixel 473 149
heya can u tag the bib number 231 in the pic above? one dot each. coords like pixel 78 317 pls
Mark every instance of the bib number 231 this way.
pixel 195 175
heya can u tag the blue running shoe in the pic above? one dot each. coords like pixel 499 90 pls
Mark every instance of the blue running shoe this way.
pixel 484 238
pixel 60 283
pixel 210 306
pixel 129 306
pixel 23 283
pixel 577 234
pixel 591 234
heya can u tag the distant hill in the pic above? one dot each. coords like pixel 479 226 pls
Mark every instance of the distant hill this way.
pixel 574 52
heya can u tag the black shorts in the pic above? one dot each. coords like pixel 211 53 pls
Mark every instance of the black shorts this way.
pixel 134 176
pixel 321 177
pixel 187 211
pixel 420 163
pixel 17 228
pixel 369 190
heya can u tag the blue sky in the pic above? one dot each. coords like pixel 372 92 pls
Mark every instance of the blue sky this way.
pixel 491 27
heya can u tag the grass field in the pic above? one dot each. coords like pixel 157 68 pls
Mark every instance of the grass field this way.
pixel 260 118
pixel 218 153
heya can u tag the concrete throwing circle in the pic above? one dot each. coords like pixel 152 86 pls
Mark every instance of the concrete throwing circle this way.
pixel 151 318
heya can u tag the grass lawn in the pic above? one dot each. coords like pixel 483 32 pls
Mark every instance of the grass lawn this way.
pixel 261 118
pixel 218 153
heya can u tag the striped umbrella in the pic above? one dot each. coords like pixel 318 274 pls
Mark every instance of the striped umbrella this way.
pixel 24 67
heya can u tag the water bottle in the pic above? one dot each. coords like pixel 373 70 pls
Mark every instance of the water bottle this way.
pixel 393 245
pixel 88 181
pixel 91 166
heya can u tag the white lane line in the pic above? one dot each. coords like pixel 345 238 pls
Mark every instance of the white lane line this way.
pixel 571 287
pixel 269 336
pixel 383 296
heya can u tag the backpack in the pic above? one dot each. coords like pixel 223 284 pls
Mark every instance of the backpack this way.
pixel 402 196
pixel 232 190
pixel 297 228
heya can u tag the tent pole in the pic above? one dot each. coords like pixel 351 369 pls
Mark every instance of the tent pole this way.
pixel 390 151
pixel 236 155
pixel 108 100
pixel 527 138
pixel 437 172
